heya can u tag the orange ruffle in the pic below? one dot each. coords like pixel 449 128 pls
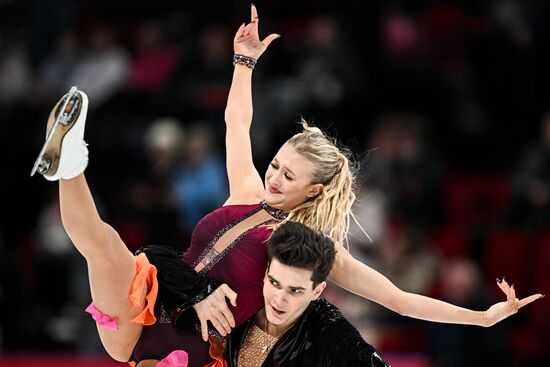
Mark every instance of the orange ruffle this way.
pixel 146 273
pixel 216 352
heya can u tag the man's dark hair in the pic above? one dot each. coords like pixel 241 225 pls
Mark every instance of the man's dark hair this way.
pixel 295 244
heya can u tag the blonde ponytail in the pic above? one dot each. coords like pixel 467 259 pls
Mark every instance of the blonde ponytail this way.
pixel 330 211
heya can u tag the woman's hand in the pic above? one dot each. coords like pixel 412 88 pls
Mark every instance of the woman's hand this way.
pixel 247 40
pixel 214 309
pixel 502 310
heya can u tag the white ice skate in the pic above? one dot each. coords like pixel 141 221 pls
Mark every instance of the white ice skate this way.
pixel 64 155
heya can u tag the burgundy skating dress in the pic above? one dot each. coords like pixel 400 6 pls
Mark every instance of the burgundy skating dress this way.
pixel 241 265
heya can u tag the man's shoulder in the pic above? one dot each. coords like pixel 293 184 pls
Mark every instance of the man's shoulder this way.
pixel 323 310
pixel 323 317
pixel 334 338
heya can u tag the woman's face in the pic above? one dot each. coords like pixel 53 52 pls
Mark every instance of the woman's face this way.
pixel 288 179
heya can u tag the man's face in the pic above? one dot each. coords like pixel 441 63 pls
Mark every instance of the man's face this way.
pixel 287 293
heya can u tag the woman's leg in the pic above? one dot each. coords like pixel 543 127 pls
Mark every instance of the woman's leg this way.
pixel 111 266
pixel 148 363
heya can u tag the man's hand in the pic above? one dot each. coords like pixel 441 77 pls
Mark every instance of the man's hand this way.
pixel 214 309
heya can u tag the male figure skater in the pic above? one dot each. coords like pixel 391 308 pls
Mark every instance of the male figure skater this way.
pixel 296 327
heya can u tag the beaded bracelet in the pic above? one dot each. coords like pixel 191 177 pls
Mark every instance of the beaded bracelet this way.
pixel 244 60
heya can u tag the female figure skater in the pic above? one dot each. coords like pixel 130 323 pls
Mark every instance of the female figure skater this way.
pixel 309 180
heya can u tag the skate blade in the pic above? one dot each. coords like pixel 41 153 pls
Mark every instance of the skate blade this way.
pixel 67 112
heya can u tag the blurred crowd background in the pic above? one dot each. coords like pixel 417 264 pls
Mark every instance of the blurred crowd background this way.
pixel 444 103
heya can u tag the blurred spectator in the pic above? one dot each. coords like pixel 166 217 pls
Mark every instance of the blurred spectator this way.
pixel 205 83
pixel 148 211
pixel 53 71
pixel 164 141
pixel 326 65
pixel 155 58
pixel 15 71
pixel 510 17
pixel 402 255
pixel 61 291
pixel 530 203
pixel 322 82
pixel 371 212
pixel 402 39
pixel 199 181
pixel 103 69
pixel 404 60
pixel 461 345
pixel 42 30
pixel 406 169
pixel 405 258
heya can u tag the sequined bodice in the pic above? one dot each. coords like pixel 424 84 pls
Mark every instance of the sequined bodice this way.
pixel 242 264
pixel 255 347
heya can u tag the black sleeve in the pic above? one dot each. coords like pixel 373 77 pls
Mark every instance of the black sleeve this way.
pixel 339 343
pixel 180 286
pixel 350 349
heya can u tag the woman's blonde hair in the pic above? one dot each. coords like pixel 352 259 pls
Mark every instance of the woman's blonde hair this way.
pixel 330 211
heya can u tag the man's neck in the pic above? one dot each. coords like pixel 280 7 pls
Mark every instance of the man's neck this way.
pixel 274 330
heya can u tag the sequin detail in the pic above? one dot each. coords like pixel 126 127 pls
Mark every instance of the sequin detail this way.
pixel 164 317
pixel 208 251
pixel 210 256
pixel 211 332
pixel 275 213
pixel 256 347
pixel 218 235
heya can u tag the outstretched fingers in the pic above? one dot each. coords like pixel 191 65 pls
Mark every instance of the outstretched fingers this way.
pixel 252 27
pixel 247 40
pixel 249 30
pixel 504 287
pixel 527 300
pixel 270 39
pixel 511 297
pixel 254 14
pixel 510 294
pixel 239 32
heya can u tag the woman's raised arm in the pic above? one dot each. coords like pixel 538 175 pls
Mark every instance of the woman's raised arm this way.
pixel 245 184
pixel 362 280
